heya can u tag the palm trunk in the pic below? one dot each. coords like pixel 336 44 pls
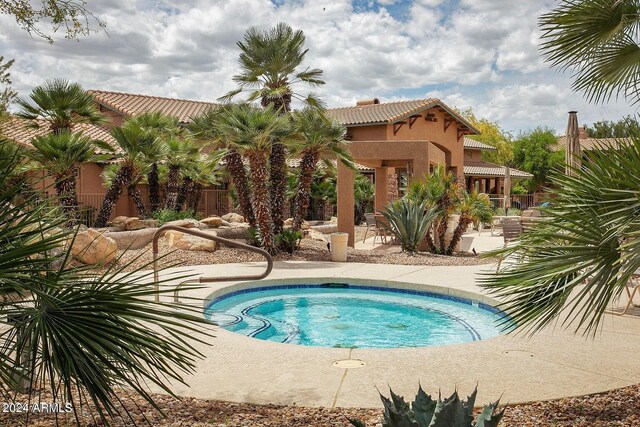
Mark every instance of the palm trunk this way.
pixel 135 195
pixel 303 194
pixel 154 188
pixel 442 231
pixel 172 187
pixel 185 190
pixel 431 247
pixel 66 191
pixel 278 179
pixel 120 182
pixel 463 224
pixel 194 197
pixel 258 164
pixel 233 159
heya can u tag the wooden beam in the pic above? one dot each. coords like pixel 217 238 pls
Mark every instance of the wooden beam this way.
pixel 413 119
pixel 397 126
pixel 462 132
pixel 447 122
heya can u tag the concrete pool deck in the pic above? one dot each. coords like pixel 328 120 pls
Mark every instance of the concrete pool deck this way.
pixel 552 364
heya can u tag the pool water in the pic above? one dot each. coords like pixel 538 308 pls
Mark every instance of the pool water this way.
pixel 353 317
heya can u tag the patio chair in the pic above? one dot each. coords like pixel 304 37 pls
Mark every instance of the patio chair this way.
pixel 383 229
pixel 511 230
pixel 633 287
pixel 370 219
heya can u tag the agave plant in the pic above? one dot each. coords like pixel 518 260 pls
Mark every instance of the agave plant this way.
pixel 425 411
pixel 409 222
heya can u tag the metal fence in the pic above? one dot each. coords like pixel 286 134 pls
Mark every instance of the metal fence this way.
pixel 518 201
pixel 214 202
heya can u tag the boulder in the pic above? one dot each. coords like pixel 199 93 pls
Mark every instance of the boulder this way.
pixel 325 229
pixel 288 222
pixel 232 232
pixel 212 221
pixel 233 217
pixel 119 221
pixel 334 220
pixel 133 239
pixel 187 242
pixel 316 235
pixel 136 223
pixel 91 247
pixel 225 223
pixel 186 223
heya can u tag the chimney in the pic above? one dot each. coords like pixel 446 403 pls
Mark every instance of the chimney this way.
pixel 583 132
pixel 367 102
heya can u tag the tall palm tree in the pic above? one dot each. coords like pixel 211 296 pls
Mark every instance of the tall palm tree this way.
pixel 269 62
pixel 206 128
pixel 109 174
pixel 597 41
pixel 61 154
pixel 133 141
pixel 163 127
pixel 318 136
pixel 202 173
pixel 181 151
pixel 253 132
pixel 471 207
pixel 61 103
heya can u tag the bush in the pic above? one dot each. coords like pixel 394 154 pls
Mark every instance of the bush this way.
pixel 253 237
pixel 288 240
pixel 168 215
pixel 409 221
pixel 519 189
pixel 425 411
pixel 512 212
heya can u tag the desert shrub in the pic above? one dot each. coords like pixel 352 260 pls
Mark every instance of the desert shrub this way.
pixel 288 240
pixel 168 215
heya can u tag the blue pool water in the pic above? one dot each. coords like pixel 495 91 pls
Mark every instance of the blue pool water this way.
pixel 353 316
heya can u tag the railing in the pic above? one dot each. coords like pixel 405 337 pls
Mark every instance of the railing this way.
pixel 207 236
pixel 518 201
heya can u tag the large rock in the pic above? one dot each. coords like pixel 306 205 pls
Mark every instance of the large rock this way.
pixel 188 242
pixel 233 217
pixel 317 235
pixel 119 221
pixel 135 223
pixel 212 221
pixel 186 223
pixel 91 247
pixel 133 239
pixel 233 233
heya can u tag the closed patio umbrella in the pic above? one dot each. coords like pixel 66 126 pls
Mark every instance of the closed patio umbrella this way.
pixel 573 145
pixel 507 189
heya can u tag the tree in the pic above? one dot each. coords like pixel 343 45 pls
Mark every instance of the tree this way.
pixel 60 155
pixel 622 128
pixel 597 41
pixel 533 152
pixel 181 152
pixel 318 136
pixel 269 62
pixel 206 128
pixel 492 134
pixel 133 142
pixel 7 94
pixel 252 131
pixel 61 104
pixel 472 207
pixel 72 16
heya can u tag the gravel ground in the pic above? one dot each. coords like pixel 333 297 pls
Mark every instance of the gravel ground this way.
pixel 615 408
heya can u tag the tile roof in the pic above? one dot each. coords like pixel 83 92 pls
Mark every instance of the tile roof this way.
pixel 472 144
pixel 16 129
pixel 491 169
pixel 389 112
pixel 133 104
pixel 588 144
pixel 294 163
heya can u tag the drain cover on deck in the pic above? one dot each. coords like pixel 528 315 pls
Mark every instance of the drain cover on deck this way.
pixel 348 363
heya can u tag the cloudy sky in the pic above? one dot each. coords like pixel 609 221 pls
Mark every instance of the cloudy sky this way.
pixel 479 54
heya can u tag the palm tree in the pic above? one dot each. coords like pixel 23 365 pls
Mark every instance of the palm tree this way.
pixel 202 173
pixel 181 151
pixel 134 143
pixel 471 207
pixel 206 127
pixel 163 127
pixel 597 41
pixel 60 154
pixel 253 132
pixel 319 136
pixel 61 103
pixel 269 62
pixel 109 174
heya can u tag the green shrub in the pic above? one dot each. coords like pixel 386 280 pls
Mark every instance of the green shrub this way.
pixel 288 240
pixel 409 220
pixel 253 237
pixel 519 189
pixel 512 212
pixel 424 411
pixel 168 215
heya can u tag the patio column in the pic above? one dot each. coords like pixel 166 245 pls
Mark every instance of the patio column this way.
pixel 382 196
pixel 482 187
pixel 346 204
pixel 499 189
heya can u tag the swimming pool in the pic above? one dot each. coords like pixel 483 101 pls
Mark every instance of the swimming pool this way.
pixel 352 316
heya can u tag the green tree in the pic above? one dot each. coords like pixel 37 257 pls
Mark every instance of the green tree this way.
pixel 622 128
pixel 253 131
pixel 533 152
pixel 61 104
pixel 492 134
pixel 318 136
pixel 60 155
pixel 269 70
pixel 182 151
pixel 7 95
pixel 597 42
pixel 71 16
